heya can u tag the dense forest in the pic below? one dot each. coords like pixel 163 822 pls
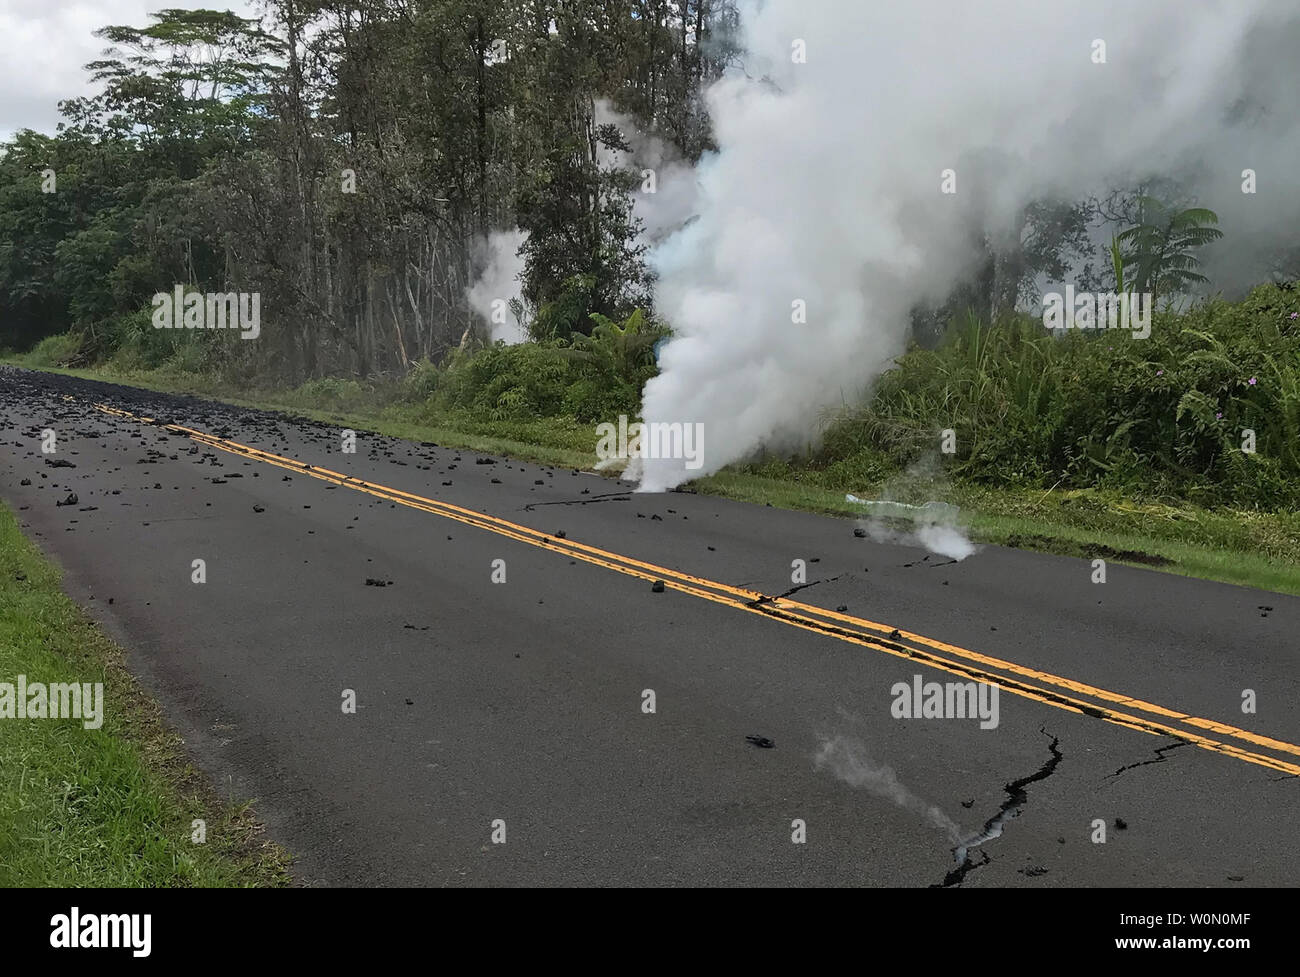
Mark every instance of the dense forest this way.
pixel 398 181
pixel 348 161
pixel 361 165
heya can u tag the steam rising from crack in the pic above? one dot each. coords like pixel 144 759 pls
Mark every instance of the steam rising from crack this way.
pixel 847 759
pixel 933 525
pixel 942 537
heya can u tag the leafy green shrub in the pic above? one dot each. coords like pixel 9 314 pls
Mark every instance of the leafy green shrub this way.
pixel 589 378
pixel 1162 415
pixel 189 357
pixel 567 312
pixel 528 379
pixel 133 335
pixel 421 382
pixel 54 351
pixel 624 352
pixel 593 400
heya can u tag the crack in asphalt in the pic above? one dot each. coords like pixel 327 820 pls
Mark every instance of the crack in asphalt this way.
pixel 1017 798
pixel 793 590
pixel 925 561
pixel 605 497
pixel 1160 757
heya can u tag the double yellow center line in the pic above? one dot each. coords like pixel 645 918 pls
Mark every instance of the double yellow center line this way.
pixel 1029 683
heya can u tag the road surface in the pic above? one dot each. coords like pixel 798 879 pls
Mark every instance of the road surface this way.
pixel 521 706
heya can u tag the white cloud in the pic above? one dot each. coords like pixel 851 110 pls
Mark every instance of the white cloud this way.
pixel 44 45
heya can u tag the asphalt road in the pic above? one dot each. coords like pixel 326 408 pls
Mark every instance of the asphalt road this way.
pixel 523 702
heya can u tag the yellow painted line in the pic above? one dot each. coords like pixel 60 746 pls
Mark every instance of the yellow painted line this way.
pixel 808 617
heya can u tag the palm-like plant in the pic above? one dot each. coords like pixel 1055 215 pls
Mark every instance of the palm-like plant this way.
pixel 1158 249
pixel 1117 263
pixel 616 349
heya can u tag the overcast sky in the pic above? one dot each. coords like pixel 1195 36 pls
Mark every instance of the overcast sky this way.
pixel 45 43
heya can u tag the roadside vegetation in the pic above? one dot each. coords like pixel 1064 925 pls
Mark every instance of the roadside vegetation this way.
pixel 107 807
pixel 1084 444
pixel 172 175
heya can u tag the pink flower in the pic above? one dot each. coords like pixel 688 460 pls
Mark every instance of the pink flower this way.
pixel 1160 373
pixel 1219 416
pixel 1251 381
pixel 1295 315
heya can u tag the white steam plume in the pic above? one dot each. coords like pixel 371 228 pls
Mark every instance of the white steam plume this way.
pixel 847 759
pixel 672 198
pixel 934 525
pixel 494 292
pixel 826 186
pixel 935 537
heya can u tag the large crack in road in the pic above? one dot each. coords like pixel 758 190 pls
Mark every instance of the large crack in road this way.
pixel 1017 797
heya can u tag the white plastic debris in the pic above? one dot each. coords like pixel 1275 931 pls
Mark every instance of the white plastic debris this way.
pixel 929 512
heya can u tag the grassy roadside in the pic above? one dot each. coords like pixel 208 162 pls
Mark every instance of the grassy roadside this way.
pixel 1255 549
pixel 1250 549
pixel 106 807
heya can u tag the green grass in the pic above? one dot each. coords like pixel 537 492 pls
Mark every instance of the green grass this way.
pixel 107 807
pixel 1248 547
pixel 1162 417
pixel 52 351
